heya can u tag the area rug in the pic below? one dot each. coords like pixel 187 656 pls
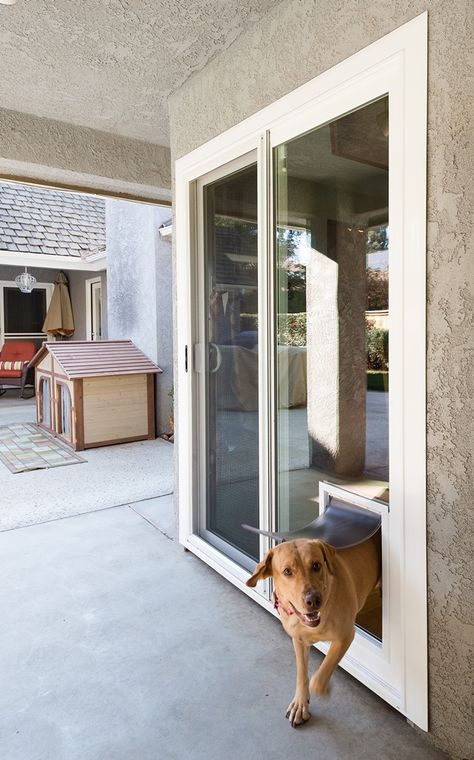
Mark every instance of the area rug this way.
pixel 27 447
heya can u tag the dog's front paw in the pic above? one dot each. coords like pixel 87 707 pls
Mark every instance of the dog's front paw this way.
pixel 319 686
pixel 298 710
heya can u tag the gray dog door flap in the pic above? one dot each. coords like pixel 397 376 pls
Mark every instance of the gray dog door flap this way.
pixel 342 525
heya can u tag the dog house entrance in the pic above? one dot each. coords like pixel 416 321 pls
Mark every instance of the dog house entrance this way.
pixel 299 275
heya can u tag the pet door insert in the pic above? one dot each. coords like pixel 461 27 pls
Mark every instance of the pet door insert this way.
pixel 301 338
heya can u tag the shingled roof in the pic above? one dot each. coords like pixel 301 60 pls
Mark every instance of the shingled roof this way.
pixel 82 358
pixel 42 221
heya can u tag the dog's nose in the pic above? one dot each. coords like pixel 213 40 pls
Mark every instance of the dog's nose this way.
pixel 312 600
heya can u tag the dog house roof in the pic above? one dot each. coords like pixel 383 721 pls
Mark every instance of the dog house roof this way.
pixel 82 358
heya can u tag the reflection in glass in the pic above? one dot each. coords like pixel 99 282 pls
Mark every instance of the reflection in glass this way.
pixel 65 406
pixel 231 282
pixel 332 268
pixel 45 403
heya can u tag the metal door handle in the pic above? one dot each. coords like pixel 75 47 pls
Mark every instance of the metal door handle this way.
pixel 218 358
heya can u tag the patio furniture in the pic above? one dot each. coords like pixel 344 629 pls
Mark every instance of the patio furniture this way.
pixel 15 365
pixel 237 377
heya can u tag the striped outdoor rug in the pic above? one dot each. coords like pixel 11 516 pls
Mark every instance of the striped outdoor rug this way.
pixel 26 447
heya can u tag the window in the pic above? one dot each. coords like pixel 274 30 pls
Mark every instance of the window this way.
pixel 22 315
pixel 94 308
pixel 230 273
pixel 332 426
pixel 24 312
pixel 45 402
pixel 64 411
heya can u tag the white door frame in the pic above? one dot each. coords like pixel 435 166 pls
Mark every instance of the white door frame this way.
pixel 242 162
pixel 89 305
pixel 397 65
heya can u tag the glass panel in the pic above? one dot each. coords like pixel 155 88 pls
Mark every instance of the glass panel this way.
pixel 65 412
pixel 46 411
pixel 24 312
pixel 96 304
pixel 332 248
pixel 231 296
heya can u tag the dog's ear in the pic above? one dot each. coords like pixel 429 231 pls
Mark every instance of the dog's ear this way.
pixel 262 571
pixel 328 553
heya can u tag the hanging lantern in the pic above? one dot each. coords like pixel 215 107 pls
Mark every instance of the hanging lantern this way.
pixel 25 281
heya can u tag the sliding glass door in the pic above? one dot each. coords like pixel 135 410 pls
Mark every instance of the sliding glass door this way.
pixel 291 356
pixel 332 262
pixel 300 245
pixel 229 379
pixel 329 290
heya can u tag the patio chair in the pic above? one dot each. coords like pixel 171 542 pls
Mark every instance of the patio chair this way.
pixel 14 370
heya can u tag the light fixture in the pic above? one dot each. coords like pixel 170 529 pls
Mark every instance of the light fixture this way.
pixel 8 2
pixel 25 281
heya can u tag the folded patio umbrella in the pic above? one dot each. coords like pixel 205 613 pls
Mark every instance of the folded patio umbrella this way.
pixel 59 319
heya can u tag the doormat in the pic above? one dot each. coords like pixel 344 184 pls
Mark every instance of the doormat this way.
pixel 27 447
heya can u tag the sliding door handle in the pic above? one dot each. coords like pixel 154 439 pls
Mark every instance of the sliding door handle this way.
pixel 218 361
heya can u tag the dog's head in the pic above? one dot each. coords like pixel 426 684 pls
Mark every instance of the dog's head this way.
pixel 302 572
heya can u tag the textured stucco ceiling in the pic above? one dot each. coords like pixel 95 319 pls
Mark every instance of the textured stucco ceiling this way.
pixel 111 64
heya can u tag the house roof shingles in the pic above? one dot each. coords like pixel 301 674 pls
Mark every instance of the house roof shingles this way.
pixel 97 358
pixel 36 220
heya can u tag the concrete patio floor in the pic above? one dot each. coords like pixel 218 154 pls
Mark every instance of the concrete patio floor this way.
pixel 110 476
pixel 118 645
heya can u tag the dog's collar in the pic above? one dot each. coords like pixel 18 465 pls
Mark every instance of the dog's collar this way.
pixel 278 605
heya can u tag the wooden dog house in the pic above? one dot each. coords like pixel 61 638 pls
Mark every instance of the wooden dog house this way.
pixel 95 393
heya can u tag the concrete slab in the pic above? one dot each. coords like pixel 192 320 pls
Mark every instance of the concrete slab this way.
pixel 110 476
pixel 115 644
pixel 160 512
pixel 16 409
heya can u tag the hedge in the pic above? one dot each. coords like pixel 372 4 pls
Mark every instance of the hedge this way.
pixel 292 332
pixel 377 381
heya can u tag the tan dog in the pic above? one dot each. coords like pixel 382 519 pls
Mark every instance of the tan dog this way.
pixel 318 593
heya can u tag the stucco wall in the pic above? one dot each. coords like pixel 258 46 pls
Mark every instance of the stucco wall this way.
pixel 52 151
pixel 292 44
pixel 139 298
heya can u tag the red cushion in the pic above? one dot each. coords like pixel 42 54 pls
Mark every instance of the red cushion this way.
pixel 17 350
pixel 12 365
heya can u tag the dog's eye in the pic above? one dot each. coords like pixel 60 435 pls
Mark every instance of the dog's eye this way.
pixel 287 571
pixel 316 567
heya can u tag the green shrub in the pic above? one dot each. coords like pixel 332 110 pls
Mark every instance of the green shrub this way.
pixel 248 322
pixel 292 329
pixel 377 290
pixel 377 348
pixel 377 381
pixel 292 332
